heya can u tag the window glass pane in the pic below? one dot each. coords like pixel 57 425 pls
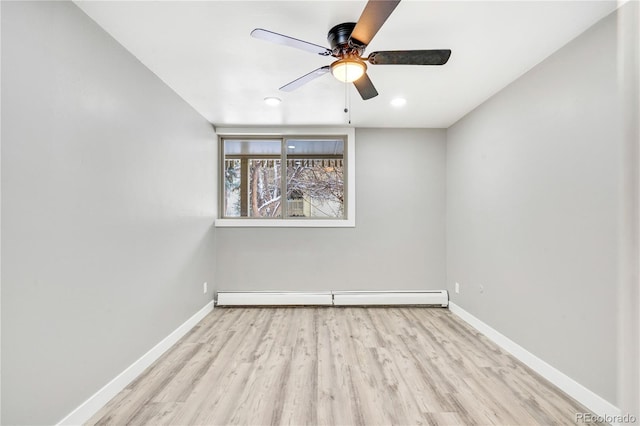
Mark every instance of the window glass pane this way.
pixel 264 188
pixel 252 178
pixel 235 147
pixel 232 188
pixel 315 178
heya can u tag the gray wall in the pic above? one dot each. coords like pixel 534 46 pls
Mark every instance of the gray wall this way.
pixel 533 201
pixel 629 294
pixel 398 241
pixel 108 187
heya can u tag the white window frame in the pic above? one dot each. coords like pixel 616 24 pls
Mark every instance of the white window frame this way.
pixel 347 222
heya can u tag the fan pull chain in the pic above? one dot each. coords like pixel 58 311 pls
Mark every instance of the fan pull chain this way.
pixel 349 97
pixel 346 110
pixel 347 102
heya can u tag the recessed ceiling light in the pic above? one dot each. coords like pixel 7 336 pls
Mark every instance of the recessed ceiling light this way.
pixel 272 101
pixel 291 147
pixel 398 102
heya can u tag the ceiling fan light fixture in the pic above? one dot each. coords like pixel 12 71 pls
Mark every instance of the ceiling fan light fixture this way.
pixel 348 70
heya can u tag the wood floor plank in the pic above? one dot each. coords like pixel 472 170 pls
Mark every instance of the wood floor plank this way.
pixel 335 402
pixel 337 366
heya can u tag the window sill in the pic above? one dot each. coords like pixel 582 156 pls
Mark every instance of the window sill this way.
pixel 282 223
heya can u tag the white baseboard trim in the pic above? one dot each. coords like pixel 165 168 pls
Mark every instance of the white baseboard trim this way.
pixel 584 396
pixel 366 298
pixel 98 400
pixel 273 298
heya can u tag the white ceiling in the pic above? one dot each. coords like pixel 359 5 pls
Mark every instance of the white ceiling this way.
pixel 204 52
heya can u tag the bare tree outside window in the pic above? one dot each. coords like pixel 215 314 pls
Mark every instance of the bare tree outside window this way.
pixel 320 184
pixel 264 188
pixel 313 178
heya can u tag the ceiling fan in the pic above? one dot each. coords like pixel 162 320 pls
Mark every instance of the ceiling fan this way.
pixel 348 42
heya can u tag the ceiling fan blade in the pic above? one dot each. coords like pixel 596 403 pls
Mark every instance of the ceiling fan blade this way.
pixel 290 87
pixel 365 87
pixel 289 41
pixel 410 57
pixel 375 14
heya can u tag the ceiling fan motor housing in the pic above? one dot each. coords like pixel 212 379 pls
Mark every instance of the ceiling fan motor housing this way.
pixel 338 39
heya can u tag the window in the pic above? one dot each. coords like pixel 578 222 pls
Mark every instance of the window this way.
pixel 284 181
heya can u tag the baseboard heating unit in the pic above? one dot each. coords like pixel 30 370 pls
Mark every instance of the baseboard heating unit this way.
pixel 334 298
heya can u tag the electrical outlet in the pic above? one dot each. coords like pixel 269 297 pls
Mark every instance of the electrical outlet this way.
pixel 481 288
pixel 457 288
pixel 204 287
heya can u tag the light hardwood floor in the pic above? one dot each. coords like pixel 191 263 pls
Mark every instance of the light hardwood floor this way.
pixel 337 366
